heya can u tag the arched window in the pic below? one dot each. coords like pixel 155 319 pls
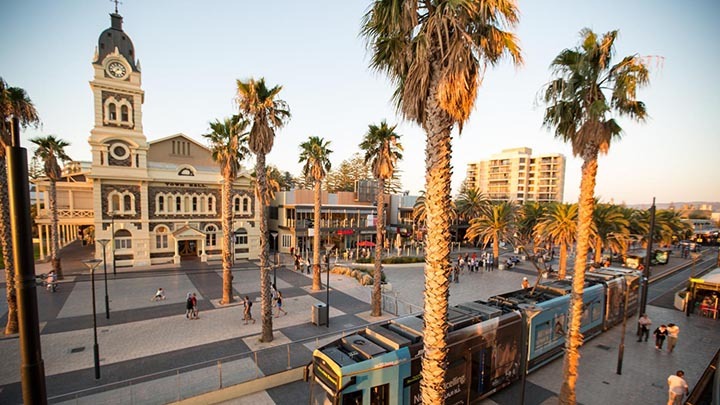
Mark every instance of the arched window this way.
pixel 123 239
pixel 124 113
pixel 241 237
pixel 211 235
pixel 114 202
pixel 178 204
pixel 236 204
pixel 203 204
pixel 246 204
pixel 128 203
pixel 161 204
pixel 161 237
pixel 112 112
pixel 194 204
pixel 211 203
pixel 187 204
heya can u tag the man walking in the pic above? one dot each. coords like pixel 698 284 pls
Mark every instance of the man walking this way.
pixel 644 327
pixel 672 331
pixel 677 388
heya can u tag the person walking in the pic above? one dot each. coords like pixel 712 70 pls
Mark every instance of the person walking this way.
pixel 159 295
pixel 188 306
pixel 525 283
pixel 248 310
pixel 660 335
pixel 278 303
pixel 195 312
pixel 644 323
pixel 672 331
pixel 677 388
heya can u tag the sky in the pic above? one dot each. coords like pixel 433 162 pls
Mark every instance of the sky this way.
pixel 192 52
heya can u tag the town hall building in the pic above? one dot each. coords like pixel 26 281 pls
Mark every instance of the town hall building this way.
pixel 155 201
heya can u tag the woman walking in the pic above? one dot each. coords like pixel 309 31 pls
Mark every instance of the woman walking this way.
pixel 278 302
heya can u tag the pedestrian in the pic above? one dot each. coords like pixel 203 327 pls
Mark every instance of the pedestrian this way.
pixel 159 295
pixel 677 388
pixel 644 323
pixel 672 331
pixel 660 335
pixel 491 260
pixel 195 312
pixel 188 305
pixel 278 302
pixel 248 310
pixel 297 262
pixel 307 266
pixel 525 283
pixel 456 273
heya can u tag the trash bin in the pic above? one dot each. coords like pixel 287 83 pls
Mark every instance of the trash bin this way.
pixel 319 314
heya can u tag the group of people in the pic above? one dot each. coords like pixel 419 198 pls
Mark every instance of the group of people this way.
pixel 301 264
pixel 662 332
pixel 191 309
pixel 277 299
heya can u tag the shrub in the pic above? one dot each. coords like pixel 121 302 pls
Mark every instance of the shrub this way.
pixel 362 275
pixel 394 260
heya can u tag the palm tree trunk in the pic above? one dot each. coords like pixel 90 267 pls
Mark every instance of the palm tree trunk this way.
pixel 226 240
pixel 574 337
pixel 11 327
pixel 598 250
pixel 438 152
pixel 316 284
pixel 496 250
pixel 562 268
pixel 266 304
pixel 377 274
pixel 54 236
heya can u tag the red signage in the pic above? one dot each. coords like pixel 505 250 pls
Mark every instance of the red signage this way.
pixel 344 232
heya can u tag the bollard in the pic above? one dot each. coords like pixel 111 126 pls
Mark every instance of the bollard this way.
pixel 257 367
pixel 177 381
pixel 288 351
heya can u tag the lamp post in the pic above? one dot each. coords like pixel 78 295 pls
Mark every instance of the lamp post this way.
pixel 646 270
pixel 92 264
pixel 328 248
pixel 275 258
pixel 621 349
pixel 104 243
pixel 112 230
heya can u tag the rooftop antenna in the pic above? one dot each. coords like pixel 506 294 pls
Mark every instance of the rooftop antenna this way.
pixel 116 4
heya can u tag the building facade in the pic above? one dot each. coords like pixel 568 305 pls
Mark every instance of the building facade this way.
pixel 155 201
pixel 518 175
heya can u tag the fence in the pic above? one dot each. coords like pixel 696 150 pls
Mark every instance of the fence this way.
pixel 393 305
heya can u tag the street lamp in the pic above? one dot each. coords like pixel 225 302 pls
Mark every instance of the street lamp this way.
pixel 275 259
pixel 92 264
pixel 104 243
pixel 621 348
pixel 328 248
pixel 646 270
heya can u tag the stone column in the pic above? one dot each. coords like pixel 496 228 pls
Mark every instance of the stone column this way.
pixel 203 255
pixel 40 242
pixel 176 258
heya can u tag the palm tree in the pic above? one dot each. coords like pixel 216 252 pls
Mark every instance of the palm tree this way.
pixel 586 91
pixel 435 53
pixel 496 223
pixel 314 153
pixel 227 143
pixel 610 227
pixel 531 212
pixel 268 113
pixel 382 152
pixel 470 203
pixel 14 103
pixel 49 150
pixel 559 226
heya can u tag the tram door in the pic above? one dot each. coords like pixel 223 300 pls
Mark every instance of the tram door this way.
pixel 480 370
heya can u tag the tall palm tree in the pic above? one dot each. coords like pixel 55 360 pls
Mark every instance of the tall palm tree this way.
pixel 610 227
pixel 581 99
pixel 559 226
pixel 268 114
pixel 14 103
pixel 228 140
pixel 49 150
pixel 435 52
pixel 314 153
pixel 496 223
pixel 470 203
pixel 382 152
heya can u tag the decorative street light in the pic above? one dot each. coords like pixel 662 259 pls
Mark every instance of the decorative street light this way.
pixel 621 348
pixel 275 258
pixel 646 270
pixel 328 248
pixel 104 243
pixel 92 264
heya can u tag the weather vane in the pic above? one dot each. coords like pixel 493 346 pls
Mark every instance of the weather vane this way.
pixel 116 4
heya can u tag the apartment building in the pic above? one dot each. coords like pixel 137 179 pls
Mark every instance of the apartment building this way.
pixel 518 175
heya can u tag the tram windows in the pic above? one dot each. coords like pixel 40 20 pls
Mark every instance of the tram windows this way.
pixel 380 395
pixel 352 398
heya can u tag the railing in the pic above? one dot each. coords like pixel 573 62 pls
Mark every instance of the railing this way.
pixel 68 213
pixel 393 305
pixel 189 381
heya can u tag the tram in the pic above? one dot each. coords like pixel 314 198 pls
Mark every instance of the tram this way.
pixel 491 343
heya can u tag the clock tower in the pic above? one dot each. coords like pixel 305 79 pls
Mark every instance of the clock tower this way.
pixel 119 147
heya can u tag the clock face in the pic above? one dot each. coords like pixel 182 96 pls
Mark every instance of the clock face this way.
pixel 116 70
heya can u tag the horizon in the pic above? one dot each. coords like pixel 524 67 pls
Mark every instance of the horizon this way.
pixel 192 55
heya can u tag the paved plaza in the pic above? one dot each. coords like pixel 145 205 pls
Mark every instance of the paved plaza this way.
pixel 151 354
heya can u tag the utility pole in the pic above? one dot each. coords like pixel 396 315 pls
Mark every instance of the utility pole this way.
pixel 648 254
pixel 32 368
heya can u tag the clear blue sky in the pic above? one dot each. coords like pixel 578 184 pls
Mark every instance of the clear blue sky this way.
pixel 192 51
